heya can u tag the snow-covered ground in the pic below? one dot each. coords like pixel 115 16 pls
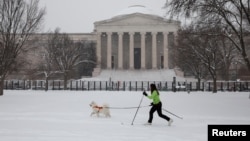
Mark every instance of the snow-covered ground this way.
pixel 65 115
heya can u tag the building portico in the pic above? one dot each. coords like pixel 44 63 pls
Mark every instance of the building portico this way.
pixel 135 41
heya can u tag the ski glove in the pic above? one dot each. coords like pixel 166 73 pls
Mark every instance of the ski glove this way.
pixel 144 93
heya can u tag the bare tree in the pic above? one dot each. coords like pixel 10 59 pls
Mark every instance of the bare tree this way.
pixel 210 56
pixel 65 54
pixel 205 48
pixel 86 68
pixel 18 20
pixel 46 67
pixel 234 15
pixel 228 53
pixel 187 59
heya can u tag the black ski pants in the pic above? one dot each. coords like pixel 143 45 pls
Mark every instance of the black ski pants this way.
pixel 158 108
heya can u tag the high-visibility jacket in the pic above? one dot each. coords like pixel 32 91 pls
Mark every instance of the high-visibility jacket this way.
pixel 155 97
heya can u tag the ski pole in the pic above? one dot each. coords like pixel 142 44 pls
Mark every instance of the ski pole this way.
pixel 172 113
pixel 137 110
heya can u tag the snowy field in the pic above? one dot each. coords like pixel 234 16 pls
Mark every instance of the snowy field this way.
pixel 65 115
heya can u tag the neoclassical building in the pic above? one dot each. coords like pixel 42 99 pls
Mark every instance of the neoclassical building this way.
pixel 135 38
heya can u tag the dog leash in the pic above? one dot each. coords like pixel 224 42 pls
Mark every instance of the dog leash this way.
pixel 127 107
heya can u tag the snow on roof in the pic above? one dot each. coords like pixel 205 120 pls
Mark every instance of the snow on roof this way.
pixel 136 9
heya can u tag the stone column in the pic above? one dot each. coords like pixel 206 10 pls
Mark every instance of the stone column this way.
pixel 120 52
pixel 98 49
pixel 154 50
pixel 174 47
pixel 131 50
pixel 143 52
pixel 109 50
pixel 165 49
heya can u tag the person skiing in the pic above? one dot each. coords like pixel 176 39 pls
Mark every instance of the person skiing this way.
pixel 156 105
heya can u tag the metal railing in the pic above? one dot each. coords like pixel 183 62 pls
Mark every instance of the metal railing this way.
pixel 80 85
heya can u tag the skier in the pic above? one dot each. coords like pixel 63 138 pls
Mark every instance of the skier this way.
pixel 156 105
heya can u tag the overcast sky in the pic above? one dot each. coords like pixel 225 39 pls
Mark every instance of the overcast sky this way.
pixel 78 16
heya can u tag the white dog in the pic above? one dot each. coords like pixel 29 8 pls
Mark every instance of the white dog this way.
pixel 104 109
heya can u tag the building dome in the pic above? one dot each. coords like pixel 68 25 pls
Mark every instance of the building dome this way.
pixel 136 9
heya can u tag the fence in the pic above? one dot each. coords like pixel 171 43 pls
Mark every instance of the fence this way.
pixel 125 85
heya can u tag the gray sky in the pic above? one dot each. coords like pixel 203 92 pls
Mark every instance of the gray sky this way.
pixel 78 16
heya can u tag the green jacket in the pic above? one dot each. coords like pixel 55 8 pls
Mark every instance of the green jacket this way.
pixel 155 96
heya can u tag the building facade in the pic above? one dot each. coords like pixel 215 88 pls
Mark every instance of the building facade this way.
pixel 135 38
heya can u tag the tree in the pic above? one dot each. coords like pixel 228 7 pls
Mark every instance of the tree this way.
pixel 187 59
pixel 65 54
pixel 86 68
pixel 18 20
pixel 229 54
pixel 46 67
pixel 203 50
pixel 234 15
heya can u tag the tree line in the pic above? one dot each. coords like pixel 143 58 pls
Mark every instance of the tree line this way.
pixel 215 36
pixel 65 57
pixel 59 55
